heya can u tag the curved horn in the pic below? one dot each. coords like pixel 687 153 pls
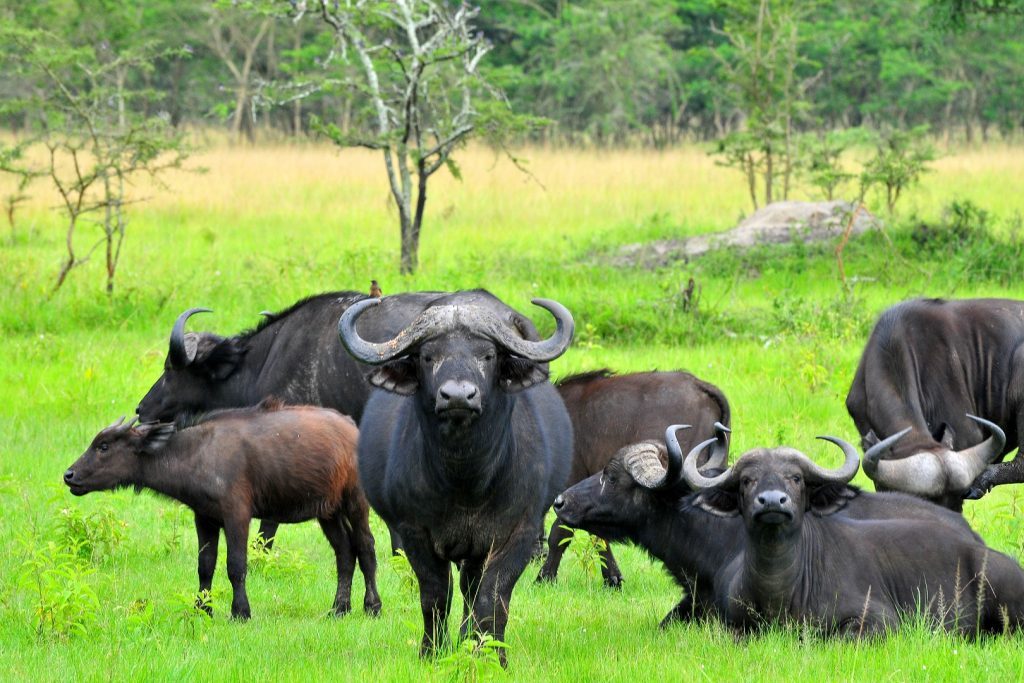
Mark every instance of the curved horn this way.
pixel 971 462
pixel 267 314
pixel 694 478
pixel 428 323
pixel 114 425
pixel 643 462
pixel 178 353
pixel 675 461
pixel 542 351
pixel 872 454
pixel 844 473
pixel 720 451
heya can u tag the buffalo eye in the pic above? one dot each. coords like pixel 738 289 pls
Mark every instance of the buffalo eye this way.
pixel 796 478
pixel 489 356
pixel 104 446
pixel 427 359
pixel 745 482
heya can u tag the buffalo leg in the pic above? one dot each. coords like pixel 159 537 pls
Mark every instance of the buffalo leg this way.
pixel 334 530
pixel 609 569
pixel 996 475
pixel 268 530
pixel 357 514
pixel 504 567
pixel 236 533
pixel 434 574
pixel 681 612
pixel 208 535
pixel 556 548
pixel 469 583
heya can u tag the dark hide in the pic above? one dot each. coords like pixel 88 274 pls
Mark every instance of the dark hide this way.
pixel 683 529
pixel 462 450
pixel 274 463
pixel 852 577
pixel 927 364
pixel 295 355
pixel 611 411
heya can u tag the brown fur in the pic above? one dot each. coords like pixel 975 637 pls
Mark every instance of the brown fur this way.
pixel 270 461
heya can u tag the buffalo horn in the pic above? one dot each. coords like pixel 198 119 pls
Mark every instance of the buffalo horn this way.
pixel 178 354
pixel 872 454
pixel 844 473
pixel 720 451
pixel 115 424
pixel 643 462
pixel 972 461
pixel 542 351
pixel 439 319
pixel 694 478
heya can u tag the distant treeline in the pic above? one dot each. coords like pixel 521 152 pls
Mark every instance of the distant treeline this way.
pixel 605 72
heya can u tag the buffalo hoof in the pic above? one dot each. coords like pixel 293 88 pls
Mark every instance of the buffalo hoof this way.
pixel 372 608
pixel 614 582
pixel 342 609
pixel 545 577
pixel 974 493
pixel 241 615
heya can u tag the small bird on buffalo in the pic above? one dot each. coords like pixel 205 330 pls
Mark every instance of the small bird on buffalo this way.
pixel 375 289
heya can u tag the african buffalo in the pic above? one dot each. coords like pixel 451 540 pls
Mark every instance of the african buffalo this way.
pixel 465 444
pixel 294 354
pixel 267 461
pixel 635 499
pixel 930 365
pixel 854 577
pixel 611 411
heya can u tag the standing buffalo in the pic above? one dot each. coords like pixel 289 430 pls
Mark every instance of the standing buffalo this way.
pixel 294 354
pixel 929 366
pixel 841 575
pixel 610 411
pixel 266 461
pixel 464 446
pixel 636 499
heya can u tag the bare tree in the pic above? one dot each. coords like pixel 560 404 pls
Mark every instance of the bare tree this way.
pixel 419 64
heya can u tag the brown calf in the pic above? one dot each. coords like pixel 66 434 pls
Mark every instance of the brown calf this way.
pixel 284 464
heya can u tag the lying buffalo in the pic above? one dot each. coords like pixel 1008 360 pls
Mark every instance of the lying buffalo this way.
pixel 853 577
pixel 929 365
pixel 637 499
pixel 267 461
pixel 294 354
pixel 611 411
pixel 465 444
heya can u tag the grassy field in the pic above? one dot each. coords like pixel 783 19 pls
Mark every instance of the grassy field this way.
pixel 263 227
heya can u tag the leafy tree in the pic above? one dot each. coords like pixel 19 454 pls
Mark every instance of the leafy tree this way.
pixel 419 70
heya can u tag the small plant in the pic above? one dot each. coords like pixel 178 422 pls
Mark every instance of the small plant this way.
pixel 171 543
pixel 477 658
pixel 587 550
pixel 92 536
pixel 64 604
pixel 193 612
pixel 407 582
pixel 265 561
pixel 901 157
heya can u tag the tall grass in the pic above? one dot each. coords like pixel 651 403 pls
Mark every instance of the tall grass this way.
pixel 263 227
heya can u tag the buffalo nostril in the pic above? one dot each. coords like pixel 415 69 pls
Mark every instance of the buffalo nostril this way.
pixel 559 502
pixel 69 475
pixel 782 500
pixel 471 393
pixel 761 500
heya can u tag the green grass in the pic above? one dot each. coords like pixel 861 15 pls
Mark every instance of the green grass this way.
pixel 774 329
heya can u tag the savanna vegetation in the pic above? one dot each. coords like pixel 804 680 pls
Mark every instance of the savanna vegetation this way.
pixel 103 586
pixel 228 155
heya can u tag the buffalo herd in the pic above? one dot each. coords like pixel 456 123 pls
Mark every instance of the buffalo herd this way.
pixel 463 443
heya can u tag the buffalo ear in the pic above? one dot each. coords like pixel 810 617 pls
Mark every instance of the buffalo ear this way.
pixel 155 436
pixel 516 374
pixel 868 440
pixel 829 499
pixel 718 502
pixel 221 360
pixel 397 376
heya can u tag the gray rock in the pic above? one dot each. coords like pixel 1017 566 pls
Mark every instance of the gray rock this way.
pixel 776 223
